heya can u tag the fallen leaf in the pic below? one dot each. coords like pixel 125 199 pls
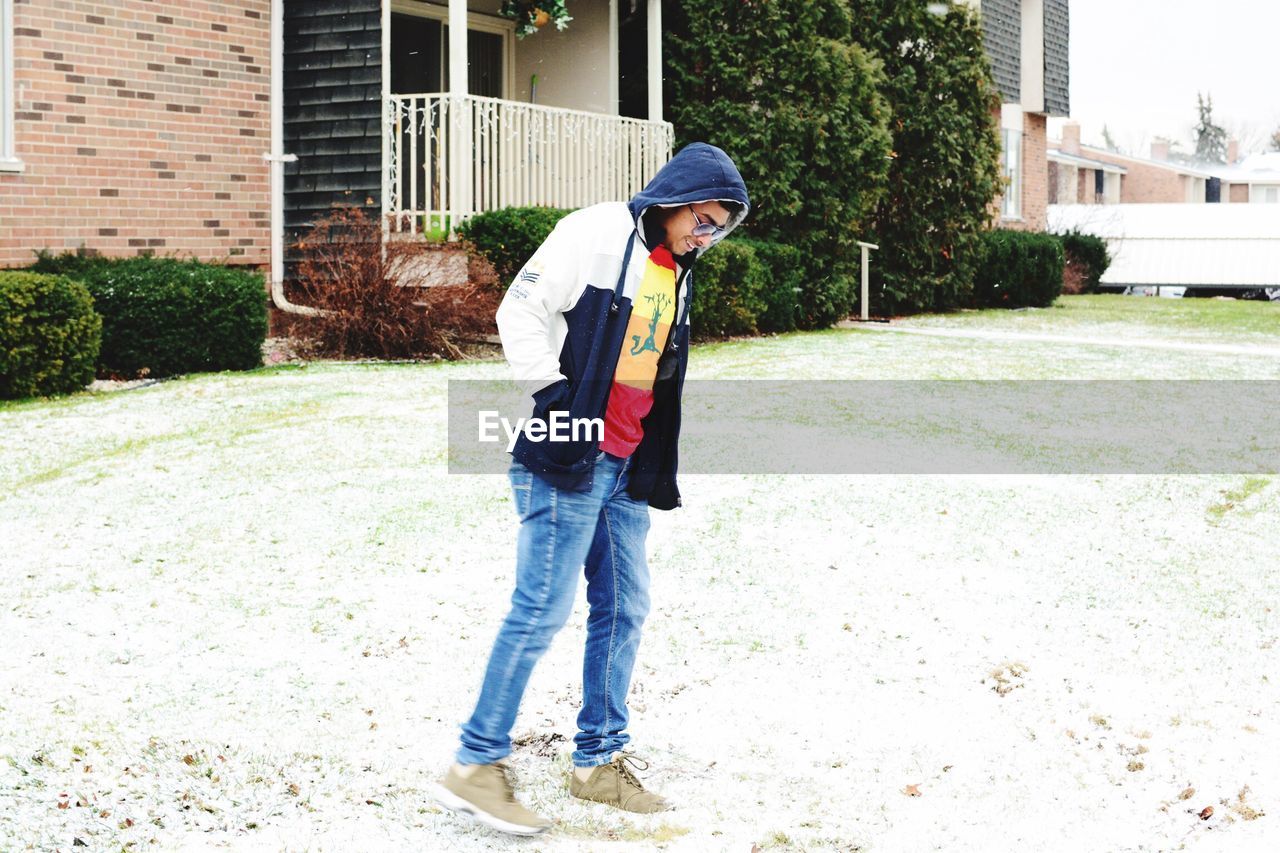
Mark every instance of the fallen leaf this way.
pixel 912 790
pixel 1187 794
pixel 64 805
pixel 1207 813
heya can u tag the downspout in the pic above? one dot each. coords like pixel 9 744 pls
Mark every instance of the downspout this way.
pixel 277 158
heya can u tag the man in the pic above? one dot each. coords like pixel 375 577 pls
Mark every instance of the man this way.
pixel 596 325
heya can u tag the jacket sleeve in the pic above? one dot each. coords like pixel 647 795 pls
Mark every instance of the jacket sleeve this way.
pixel 547 285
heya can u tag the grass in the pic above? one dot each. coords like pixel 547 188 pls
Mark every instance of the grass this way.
pixel 1232 498
pixel 228 563
pixel 1218 320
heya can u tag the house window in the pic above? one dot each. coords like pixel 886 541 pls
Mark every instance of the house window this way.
pixel 1011 166
pixel 1262 194
pixel 9 161
pixel 420 52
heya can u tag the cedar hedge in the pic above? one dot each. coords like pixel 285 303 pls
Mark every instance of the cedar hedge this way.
pixel 163 316
pixel 49 335
pixel 1017 269
pixel 509 236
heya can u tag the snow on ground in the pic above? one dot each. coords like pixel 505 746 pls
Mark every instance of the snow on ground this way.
pixel 248 612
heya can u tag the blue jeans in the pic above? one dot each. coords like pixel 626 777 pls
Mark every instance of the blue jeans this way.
pixel 602 531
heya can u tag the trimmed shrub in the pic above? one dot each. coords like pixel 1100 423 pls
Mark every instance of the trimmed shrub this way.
pixel 784 297
pixel 1086 260
pixel 1017 269
pixel 49 335
pixel 727 287
pixel 509 237
pixel 164 316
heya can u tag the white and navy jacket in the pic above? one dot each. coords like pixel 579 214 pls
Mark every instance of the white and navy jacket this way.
pixel 563 321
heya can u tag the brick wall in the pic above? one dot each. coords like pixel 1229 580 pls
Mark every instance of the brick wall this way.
pixel 1238 193
pixel 1035 176
pixel 1152 185
pixel 1146 182
pixel 1035 183
pixel 142 126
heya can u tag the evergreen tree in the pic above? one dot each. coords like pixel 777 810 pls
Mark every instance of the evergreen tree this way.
pixel 1108 141
pixel 1275 140
pixel 783 88
pixel 1211 139
pixel 944 172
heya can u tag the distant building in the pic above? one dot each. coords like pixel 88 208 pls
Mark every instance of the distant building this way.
pixel 1255 179
pixel 1108 177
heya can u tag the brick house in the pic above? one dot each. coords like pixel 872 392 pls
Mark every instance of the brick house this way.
pixel 222 130
pixel 1083 174
pixel 1027 42
pixel 1074 171
pixel 135 126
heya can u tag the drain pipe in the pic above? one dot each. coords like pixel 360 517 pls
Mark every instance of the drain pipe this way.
pixel 277 158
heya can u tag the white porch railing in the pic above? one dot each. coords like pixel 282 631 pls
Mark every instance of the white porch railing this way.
pixel 450 157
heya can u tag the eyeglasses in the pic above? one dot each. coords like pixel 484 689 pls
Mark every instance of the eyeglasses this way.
pixel 704 229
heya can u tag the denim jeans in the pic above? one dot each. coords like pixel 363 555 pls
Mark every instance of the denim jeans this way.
pixel 561 532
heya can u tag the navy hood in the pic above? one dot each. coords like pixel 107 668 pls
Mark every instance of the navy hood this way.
pixel 698 172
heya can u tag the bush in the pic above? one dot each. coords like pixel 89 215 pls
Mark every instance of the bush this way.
pixel 164 316
pixel 944 171
pixel 509 237
pixel 785 89
pixel 345 272
pixel 727 287
pixel 784 298
pixel 1017 269
pixel 49 335
pixel 1086 260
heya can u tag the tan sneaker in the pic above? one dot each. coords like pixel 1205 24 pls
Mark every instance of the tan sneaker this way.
pixel 486 794
pixel 614 784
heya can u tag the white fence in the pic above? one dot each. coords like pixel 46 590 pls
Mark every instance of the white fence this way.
pixel 451 157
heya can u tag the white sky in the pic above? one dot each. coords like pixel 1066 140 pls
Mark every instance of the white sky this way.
pixel 1136 66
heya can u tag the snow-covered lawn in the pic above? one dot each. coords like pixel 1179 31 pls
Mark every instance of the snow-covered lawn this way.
pixel 248 611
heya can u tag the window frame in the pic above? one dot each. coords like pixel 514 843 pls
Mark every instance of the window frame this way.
pixel 9 160
pixel 475 21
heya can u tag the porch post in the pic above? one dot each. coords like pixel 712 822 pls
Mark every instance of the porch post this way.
pixel 654 17
pixel 459 198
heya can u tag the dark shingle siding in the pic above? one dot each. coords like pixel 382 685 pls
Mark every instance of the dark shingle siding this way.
pixel 1057 66
pixel 332 108
pixel 1002 36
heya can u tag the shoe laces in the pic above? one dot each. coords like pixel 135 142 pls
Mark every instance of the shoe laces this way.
pixel 624 762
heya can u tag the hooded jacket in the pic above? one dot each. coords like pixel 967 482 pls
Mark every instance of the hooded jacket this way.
pixel 564 317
